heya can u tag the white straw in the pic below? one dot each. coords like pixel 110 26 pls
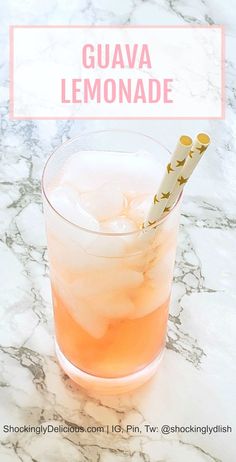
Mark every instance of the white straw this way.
pixel 167 184
pixel 200 145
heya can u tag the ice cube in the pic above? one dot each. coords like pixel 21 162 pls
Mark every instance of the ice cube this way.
pixel 132 172
pixel 149 297
pixel 103 203
pixel 137 262
pixel 69 258
pixel 85 220
pixel 125 279
pixel 139 172
pixel 91 283
pixel 78 171
pixel 120 224
pixel 138 245
pixel 112 305
pixel 89 170
pixel 88 319
pixel 163 256
pixel 156 287
pixel 163 267
pixel 123 225
pixel 63 200
pixel 80 309
pixel 107 246
pixel 139 207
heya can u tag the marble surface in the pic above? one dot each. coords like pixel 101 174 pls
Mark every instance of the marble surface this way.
pixel 195 384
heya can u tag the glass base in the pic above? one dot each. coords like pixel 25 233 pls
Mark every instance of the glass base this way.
pixel 108 385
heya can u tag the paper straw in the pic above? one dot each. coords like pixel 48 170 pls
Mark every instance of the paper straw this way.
pixel 200 145
pixel 173 169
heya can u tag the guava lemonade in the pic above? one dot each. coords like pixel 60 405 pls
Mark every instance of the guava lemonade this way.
pixel 111 287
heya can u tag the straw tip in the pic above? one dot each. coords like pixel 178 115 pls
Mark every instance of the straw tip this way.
pixel 203 138
pixel 185 140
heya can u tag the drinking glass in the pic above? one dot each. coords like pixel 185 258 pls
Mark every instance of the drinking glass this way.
pixel 100 342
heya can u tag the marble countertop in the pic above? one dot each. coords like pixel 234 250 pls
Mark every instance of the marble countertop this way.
pixel 195 384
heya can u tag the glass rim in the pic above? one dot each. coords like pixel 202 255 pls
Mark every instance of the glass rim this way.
pixel 104 233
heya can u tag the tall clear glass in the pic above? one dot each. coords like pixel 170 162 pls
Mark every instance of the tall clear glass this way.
pixel 100 343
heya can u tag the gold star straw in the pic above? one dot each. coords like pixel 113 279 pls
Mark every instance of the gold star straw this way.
pixel 200 145
pixel 173 170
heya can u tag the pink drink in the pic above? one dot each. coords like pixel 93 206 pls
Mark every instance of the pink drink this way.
pixel 111 287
